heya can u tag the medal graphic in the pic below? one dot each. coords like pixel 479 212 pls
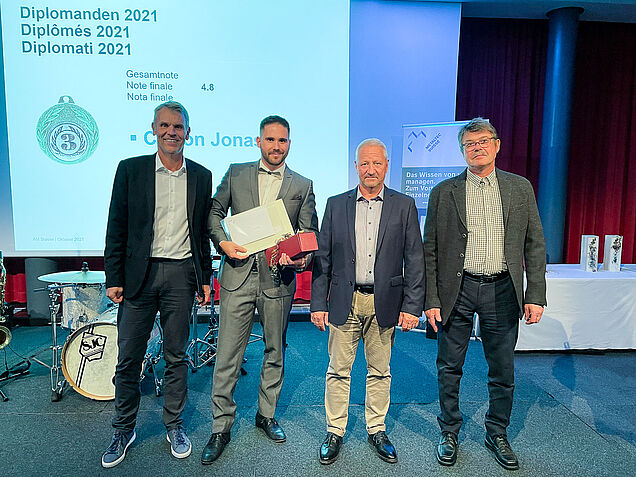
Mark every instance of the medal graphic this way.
pixel 67 133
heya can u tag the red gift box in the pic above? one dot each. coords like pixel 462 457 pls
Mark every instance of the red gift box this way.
pixel 296 246
pixel 299 245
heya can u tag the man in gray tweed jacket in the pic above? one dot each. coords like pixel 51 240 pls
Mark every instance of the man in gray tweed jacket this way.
pixel 482 229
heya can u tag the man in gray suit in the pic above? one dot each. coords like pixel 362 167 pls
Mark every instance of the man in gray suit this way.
pixel 248 282
pixel 481 228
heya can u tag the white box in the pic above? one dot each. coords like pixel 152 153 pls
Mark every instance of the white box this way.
pixel 613 252
pixel 589 253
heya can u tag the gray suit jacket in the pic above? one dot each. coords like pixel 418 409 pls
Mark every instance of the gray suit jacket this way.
pixel 238 191
pixel 446 236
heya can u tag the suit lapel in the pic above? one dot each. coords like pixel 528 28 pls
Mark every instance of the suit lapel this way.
pixel 459 194
pixel 150 188
pixel 254 183
pixel 505 191
pixel 387 205
pixel 287 181
pixel 191 181
pixel 351 218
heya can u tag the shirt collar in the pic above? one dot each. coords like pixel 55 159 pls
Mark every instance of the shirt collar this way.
pixel 490 179
pixel 159 167
pixel 380 195
pixel 279 171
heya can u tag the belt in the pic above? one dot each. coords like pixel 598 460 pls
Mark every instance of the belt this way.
pixel 487 278
pixel 169 260
pixel 366 289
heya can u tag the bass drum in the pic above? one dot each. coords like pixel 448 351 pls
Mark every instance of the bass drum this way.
pixel 89 357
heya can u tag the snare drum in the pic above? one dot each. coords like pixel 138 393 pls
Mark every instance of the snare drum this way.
pixel 109 316
pixel 89 356
pixel 82 305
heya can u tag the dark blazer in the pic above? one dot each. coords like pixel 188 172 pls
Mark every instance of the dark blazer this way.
pixel 446 236
pixel 399 262
pixel 239 191
pixel 131 216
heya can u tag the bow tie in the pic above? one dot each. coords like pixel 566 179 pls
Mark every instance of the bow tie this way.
pixel 262 170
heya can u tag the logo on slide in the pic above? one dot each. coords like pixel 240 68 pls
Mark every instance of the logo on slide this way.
pixel 67 133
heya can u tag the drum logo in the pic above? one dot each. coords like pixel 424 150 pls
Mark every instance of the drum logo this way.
pixel 67 133
pixel 92 346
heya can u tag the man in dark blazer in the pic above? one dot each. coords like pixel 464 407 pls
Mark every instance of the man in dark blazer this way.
pixel 481 228
pixel 248 283
pixel 368 277
pixel 157 257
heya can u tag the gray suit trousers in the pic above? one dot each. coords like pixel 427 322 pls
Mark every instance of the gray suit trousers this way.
pixel 235 325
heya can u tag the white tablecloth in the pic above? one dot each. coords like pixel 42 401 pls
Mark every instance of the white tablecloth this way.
pixel 585 310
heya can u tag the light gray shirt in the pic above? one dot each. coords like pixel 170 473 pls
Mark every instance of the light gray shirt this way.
pixel 170 228
pixel 269 183
pixel 484 217
pixel 367 223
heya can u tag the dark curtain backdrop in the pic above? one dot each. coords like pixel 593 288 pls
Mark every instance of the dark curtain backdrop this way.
pixel 602 171
pixel 501 77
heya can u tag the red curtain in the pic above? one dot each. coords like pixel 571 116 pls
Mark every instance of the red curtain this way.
pixel 602 178
pixel 501 77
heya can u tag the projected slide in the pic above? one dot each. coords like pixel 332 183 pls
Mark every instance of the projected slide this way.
pixel 82 79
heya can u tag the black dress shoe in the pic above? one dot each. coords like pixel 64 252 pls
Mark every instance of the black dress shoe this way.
pixel 330 449
pixel 447 448
pixel 271 428
pixel 501 450
pixel 214 447
pixel 383 447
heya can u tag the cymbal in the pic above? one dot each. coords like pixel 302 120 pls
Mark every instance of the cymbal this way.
pixel 75 277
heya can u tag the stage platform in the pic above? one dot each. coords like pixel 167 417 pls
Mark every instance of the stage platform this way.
pixel 573 416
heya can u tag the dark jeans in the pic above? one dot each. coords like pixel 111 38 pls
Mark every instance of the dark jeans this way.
pixel 169 289
pixel 498 310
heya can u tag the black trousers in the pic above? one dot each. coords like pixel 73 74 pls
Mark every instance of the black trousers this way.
pixel 498 310
pixel 168 289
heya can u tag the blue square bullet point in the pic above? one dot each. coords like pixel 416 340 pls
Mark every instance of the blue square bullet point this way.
pixel 133 137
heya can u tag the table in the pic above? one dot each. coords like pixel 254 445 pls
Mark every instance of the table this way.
pixel 586 310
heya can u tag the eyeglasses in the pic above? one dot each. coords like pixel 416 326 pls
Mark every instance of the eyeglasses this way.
pixel 469 146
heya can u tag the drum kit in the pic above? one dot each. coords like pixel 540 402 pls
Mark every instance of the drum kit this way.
pixel 86 360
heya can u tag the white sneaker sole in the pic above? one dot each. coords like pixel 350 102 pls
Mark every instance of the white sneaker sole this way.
pixel 108 465
pixel 176 454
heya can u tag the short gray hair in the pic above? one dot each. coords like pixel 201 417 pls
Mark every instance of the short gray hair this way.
pixel 477 124
pixel 371 142
pixel 176 107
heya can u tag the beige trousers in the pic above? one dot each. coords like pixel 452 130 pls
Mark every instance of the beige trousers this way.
pixel 343 343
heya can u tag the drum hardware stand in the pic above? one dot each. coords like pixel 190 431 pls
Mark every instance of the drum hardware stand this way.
pixel 58 382
pixel 20 369
pixel 201 352
pixel 150 364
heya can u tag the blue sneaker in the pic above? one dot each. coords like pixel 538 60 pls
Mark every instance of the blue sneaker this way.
pixel 180 445
pixel 117 449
